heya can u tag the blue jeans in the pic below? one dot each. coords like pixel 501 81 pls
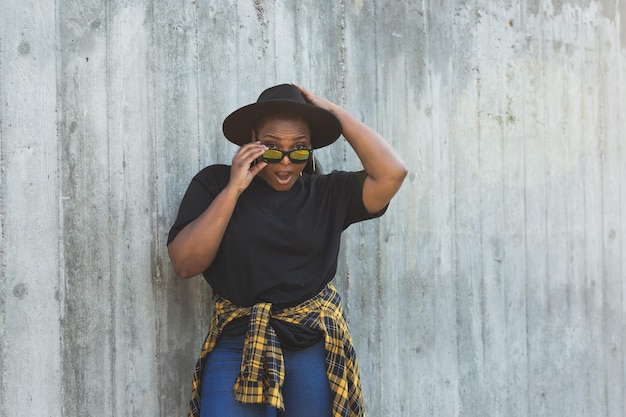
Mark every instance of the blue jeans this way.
pixel 306 391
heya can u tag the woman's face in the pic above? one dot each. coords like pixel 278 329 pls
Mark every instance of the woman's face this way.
pixel 287 135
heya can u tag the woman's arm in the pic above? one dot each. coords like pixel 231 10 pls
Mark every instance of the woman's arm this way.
pixel 385 169
pixel 192 251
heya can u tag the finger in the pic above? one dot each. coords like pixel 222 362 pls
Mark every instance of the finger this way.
pixel 246 162
pixel 306 93
pixel 309 97
pixel 255 153
pixel 255 169
pixel 252 145
pixel 250 150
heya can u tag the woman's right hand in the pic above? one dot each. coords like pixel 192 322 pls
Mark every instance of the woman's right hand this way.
pixel 243 169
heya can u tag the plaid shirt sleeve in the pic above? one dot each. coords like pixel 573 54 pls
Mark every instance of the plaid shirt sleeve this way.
pixel 262 371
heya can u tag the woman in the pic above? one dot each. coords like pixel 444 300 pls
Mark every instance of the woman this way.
pixel 265 234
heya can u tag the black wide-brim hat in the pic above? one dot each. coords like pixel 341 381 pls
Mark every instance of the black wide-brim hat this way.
pixel 282 99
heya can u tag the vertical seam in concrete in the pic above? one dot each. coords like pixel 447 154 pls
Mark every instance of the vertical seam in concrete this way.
pixel 61 231
pixel 342 53
pixel 453 184
pixel 379 278
pixel 480 247
pixel 198 77
pixel 603 277
pixel 3 292
pixel 525 255
pixel 60 204
pixel 156 279
pixel 526 243
pixel 238 60
pixel 621 211
pixel 542 75
pixel 111 298
pixel 621 220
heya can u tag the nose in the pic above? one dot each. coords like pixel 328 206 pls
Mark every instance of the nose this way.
pixel 285 160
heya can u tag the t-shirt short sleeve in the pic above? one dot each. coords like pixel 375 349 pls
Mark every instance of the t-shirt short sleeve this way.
pixel 201 192
pixel 351 183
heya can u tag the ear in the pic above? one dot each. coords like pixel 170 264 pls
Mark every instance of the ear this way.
pixel 253 135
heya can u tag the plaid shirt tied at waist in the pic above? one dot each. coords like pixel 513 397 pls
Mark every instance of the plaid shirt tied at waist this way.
pixel 262 371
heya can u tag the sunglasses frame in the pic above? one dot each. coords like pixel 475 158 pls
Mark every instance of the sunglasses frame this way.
pixel 288 154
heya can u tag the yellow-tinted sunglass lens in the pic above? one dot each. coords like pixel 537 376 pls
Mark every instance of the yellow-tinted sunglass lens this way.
pixel 273 155
pixel 299 155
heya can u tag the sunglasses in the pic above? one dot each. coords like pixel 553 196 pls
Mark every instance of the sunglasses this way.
pixel 297 156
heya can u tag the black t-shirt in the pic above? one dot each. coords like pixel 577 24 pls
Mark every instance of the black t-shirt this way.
pixel 280 246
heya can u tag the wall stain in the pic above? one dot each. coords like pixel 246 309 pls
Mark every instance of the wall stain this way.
pixel 20 291
pixel 24 48
pixel 260 11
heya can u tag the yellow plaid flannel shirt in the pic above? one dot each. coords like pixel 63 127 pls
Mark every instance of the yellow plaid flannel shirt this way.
pixel 262 372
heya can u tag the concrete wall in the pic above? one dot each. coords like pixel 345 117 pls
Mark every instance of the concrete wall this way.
pixel 494 286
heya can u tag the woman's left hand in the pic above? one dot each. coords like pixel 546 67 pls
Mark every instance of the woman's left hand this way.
pixel 316 100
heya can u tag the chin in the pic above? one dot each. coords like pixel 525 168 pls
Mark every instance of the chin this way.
pixel 281 187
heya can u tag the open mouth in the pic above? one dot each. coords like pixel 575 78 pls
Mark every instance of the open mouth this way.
pixel 283 177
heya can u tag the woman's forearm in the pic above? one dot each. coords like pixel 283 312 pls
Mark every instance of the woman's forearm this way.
pixel 384 167
pixel 379 159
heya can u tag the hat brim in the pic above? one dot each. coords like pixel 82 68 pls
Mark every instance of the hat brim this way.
pixel 325 127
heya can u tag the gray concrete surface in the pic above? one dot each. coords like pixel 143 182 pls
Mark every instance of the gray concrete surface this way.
pixel 494 285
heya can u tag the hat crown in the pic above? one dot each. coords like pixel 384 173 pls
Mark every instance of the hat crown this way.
pixel 281 99
pixel 282 92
